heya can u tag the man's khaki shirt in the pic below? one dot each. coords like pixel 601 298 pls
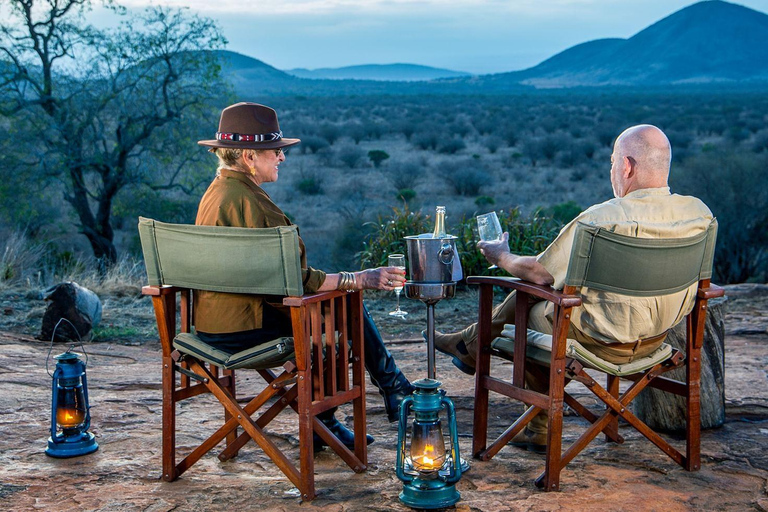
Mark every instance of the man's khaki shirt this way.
pixel 234 200
pixel 646 213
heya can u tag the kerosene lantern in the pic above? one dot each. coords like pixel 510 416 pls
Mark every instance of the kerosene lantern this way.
pixel 428 474
pixel 70 412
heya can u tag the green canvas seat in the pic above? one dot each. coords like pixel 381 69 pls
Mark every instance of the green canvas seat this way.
pixel 540 349
pixel 605 261
pixel 261 357
pixel 315 373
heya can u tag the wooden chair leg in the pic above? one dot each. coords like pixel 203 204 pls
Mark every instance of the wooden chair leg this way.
pixel 693 394
pixel 306 447
pixel 232 390
pixel 482 370
pixel 612 386
pixel 169 420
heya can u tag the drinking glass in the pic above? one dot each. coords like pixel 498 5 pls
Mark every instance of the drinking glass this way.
pixel 398 260
pixel 489 228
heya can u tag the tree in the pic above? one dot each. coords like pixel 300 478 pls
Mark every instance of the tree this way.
pixel 377 156
pixel 105 109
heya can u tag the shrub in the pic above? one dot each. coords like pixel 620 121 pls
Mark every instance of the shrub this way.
pixel 527 236
pixel 466 177
pixel 405 175
pixel 19 257
pixel 406 194
pixel 377 156
pixel 425 140
pixel 563 212
pixel 309 183
pixel 483 201
pixel 313 143
pixel 493 143
pixel 735 187
pixel 386 236
pixel 452 146
pixel 350 155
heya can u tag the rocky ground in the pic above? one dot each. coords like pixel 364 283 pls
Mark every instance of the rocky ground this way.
pixel 124 474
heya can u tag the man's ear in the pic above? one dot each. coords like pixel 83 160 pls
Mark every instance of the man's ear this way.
pixel 630 167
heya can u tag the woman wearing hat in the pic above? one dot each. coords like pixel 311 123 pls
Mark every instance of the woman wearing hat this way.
pixel 249 148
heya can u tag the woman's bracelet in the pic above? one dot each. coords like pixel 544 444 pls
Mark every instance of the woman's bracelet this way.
pixel 347 281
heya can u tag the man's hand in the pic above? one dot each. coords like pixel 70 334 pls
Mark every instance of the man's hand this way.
pixel 494 250
pixel 525 267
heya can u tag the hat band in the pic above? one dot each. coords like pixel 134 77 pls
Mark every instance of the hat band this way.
pixel 246 137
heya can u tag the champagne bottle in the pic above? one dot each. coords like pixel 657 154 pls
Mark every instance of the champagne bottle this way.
pixel 439 223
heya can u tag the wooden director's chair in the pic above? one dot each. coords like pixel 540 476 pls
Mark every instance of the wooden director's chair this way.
pixel 315 372
pixel 600 260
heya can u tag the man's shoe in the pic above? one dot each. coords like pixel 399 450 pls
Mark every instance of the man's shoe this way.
pixel 345 435
pixel 532 441
pixel 453 345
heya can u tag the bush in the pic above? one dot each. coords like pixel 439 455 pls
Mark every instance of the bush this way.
pixel 309 183
pixel 406 194
pixel 425 140
pixel 735 187
pixel 377 156
pixel 405 175
pixel 19 258
pixel 314 144
pixel 350 155
pixel 563 212
pixel 466 177
pixel 452 146
pixel 386 236
pixel 483 201
pixel 527 236
pixel 493 143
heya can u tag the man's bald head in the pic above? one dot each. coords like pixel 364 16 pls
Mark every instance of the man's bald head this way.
pixel 643 156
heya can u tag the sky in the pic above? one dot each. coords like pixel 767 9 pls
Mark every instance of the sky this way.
pixel 476 36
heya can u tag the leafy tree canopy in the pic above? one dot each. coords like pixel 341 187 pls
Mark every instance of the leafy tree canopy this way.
pixel 96 111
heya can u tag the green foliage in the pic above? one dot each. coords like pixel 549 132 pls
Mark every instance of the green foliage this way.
pixel 386 236
pixel 484 201
pixel 527 236
pixel 451 146
pixel 309 186
pixel 406 194
pixel 563 212
pixel 735 187
pixel 377 156
pixel 466 176
pixel 101 109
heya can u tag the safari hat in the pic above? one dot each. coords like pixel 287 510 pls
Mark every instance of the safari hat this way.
pixel 249 126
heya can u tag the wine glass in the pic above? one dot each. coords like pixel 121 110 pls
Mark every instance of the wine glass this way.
pixel 489 228
pixel 397 260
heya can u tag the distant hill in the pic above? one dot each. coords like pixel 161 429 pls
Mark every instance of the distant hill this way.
pixel 385 72
pixel 708 42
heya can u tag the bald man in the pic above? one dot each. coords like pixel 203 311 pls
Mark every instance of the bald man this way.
pixel 617 328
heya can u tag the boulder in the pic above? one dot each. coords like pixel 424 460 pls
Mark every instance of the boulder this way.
pixel 666 412
pixel 79 307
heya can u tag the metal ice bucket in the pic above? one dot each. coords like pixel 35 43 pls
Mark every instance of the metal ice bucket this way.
pixel 433 260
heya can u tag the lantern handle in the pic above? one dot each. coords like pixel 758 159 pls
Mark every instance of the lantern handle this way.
pixel 53 337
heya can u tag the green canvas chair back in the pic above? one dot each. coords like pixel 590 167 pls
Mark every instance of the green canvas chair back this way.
pixel 634 266
pixel 222 259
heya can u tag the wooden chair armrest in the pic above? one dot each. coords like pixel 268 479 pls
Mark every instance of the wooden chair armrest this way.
pixel 711 292
pixel 296 301
pixel 537 290
pixel 157 291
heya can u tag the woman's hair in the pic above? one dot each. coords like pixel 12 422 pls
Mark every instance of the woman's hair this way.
pixel 230 158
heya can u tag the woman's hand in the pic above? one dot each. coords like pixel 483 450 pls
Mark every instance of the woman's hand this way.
pixel 382 278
